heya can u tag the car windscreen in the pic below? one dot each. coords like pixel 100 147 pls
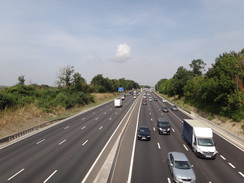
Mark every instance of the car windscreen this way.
pixel 182 165
pixel 164 124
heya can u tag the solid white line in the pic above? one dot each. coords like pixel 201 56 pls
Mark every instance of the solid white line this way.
pixel 16 174
pixel 185 147
pixel 84 142
pixel 222 157
pixel 159 146
pixel 66 127
pixel 231 165
pixel 134 146
pixel 93 165
pixel 241 174
pixel 40 141
pixel 83 127
pixel 100 127
pixel 62 142
pixel 50 176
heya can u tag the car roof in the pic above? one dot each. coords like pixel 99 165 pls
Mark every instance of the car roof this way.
pixel 163 120
pixel 144 127
pixel 179 156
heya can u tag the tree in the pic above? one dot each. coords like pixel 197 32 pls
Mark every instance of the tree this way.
pixel 21 80
pixel 197 66
pixel 65 76
pixel 180 79
pixel 79 83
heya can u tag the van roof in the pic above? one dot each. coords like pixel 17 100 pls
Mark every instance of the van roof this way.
pixel 195 123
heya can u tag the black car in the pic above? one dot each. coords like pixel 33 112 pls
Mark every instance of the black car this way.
pixel 165 109
pixel 163 126
pixel 144 133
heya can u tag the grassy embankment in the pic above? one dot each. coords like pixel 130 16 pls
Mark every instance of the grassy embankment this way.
pixel 229 124
pixel 15 120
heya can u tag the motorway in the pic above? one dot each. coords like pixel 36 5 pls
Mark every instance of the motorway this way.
pixel 70 151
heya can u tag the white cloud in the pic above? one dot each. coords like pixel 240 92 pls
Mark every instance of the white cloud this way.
pixel 123 53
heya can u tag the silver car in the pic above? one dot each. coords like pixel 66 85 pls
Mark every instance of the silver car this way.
pixel 180 168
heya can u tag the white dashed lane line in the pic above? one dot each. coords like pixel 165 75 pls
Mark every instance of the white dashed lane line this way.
pixel 159 147
pixel 62 142
pixel 66 127
pixel 100 127
pixel 50 176
pixel 16 174
pixel 185 147
pixel 84 142
pixel 40 141
pixel 83 127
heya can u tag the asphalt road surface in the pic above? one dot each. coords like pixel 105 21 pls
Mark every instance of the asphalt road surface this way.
pixel 76 150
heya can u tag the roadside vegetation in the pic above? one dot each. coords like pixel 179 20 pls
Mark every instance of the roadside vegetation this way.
pixel 23 106
pixel 218 92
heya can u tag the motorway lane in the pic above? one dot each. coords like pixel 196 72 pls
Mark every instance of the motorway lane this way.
pixel 64 152
pixel 206 170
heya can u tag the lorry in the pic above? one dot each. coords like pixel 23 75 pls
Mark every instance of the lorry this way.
pixel 200 138
pixel 118 102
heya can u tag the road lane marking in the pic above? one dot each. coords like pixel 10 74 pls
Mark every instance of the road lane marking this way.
pixel 222 157
pixel 100 127
pixel 94 113
pixel 66 127
pixel 84 142
pixel 231 165
pixel 50 176
pixel 151 119
pixel 16 174
pixel 83 127
pixel 83 118
pixel 159 146
pixel 105 113
pixel 154 129
pixel 96 119
pixel 241 174
pixel 110 118
pixel 62 142
pixel 116 113
pixel 169 181
pixel 40 141
pixel 185 147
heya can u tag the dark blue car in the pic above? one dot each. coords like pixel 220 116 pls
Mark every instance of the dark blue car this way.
pixel 144 133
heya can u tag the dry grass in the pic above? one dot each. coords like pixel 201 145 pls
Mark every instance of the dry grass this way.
pixel 228 124
pixel 15 120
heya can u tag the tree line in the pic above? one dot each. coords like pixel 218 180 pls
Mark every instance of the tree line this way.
pixel 72 90
pixel 218 91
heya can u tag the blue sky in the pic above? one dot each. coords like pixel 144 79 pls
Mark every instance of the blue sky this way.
pixel 140 40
